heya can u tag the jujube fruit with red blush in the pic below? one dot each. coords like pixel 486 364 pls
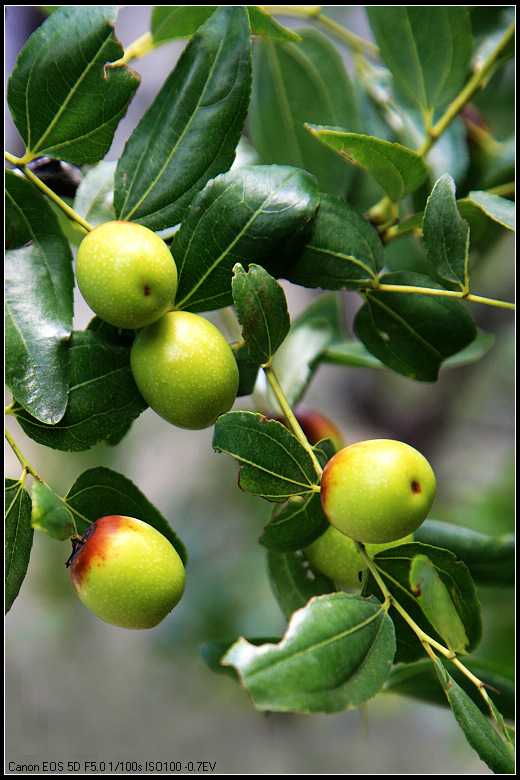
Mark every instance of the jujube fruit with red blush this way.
pixel 378 490
pixel 126 572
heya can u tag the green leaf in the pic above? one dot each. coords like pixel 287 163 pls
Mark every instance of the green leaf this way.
pixel 99 492
pixel 50 513
pixel 94 199
pixel 498 754
pixel 419 681
pixel 296 83
pixel 345 250
pixel 491 560
pixel 427 48
pixel 293 582
pixel 169 22
pixel 103 398
pixel 255 214
pixel 436 603
pixel 65 98
pixel 336 654
pixel 247 371
pixel 396 169
pixel 261 308
pixel 298 524
pixel 38 302
pixel 496 208
pixel 190 132
pixel 413 333
pixel 265 25
pixel 18 538
pixel 296 361
pixel 273 463
pixel 394 566
pixel 446 234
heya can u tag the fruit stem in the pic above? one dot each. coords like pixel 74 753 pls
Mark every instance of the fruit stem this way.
pixel 20 164
pixel 290 417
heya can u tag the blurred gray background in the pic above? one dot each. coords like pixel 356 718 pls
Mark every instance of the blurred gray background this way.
pixel 78 689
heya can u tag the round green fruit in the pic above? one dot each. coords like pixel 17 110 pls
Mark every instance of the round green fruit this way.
pixel 126 572
pixel 335 555
pixel 185 369
pixel 378 490
pixel 126 274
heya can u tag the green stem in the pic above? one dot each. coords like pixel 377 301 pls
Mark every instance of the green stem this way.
pixel 353 41
pixel 139 48
pixel 403 288
pixel 23 460
pixel 427 641
pixel 290 417
pixel 21 165
pixel 478 80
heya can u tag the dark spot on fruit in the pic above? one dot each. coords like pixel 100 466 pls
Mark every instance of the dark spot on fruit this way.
pixel 146 290
pixel 416 487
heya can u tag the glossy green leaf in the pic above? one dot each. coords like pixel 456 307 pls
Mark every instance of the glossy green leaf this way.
pixel 39 286
pixel 446 234
pixel 436 603
pixel 498 754
pixel 50 513
pixel 99 492
pixel 395 168
pixel 103 398
pixel 94 200
pixel 18 538
pixel 336 654
pixel 394 567
pixel 66 62
pixel 256 214
pixel 419 681
pixel 190 132
pixel 413 333
pixel 491 560
pixel 261 308
pixel 298 524
pixel 311 334
pixel 427 48
pixel 293 582
pixel 344 251
pixel 273 463
pixel 296 83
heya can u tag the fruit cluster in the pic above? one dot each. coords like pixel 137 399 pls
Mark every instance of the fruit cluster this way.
pixel 183 366
pixel 376 492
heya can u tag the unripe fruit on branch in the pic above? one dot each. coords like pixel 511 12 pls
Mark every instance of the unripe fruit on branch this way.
pixel 185 369
pixel 378 490
pixel 126 274
pixel 126 572
pixel 335 555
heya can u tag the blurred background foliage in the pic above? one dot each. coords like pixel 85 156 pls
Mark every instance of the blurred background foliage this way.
pixel 80 689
